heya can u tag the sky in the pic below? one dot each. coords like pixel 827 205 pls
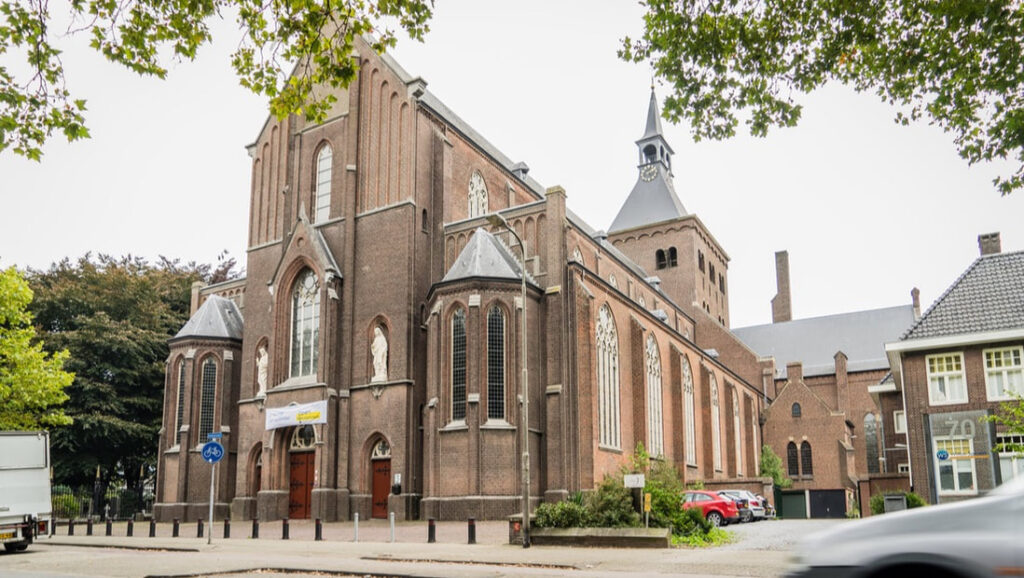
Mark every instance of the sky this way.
pixel 867 209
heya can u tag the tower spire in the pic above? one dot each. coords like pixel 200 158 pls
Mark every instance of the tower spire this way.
pixel 653 128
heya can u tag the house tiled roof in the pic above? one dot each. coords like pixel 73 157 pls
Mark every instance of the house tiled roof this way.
pixel 988 296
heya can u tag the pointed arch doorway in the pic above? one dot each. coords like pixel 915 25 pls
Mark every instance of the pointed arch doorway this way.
pixel 302 471
pixel 380 465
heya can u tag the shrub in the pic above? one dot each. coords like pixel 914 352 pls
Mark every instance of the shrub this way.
pixel 878 501
pixel 611 505
pixel 565 514
pixel 65 506
pixel 771 467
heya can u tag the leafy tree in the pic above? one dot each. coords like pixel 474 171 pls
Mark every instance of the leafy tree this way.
pixel 771 466
pixel 114 315
pixel 958 63
pixel 1011 415
pixel 287 50
pixel 32 382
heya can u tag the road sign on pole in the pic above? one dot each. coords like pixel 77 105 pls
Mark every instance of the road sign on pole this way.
pixel 212 452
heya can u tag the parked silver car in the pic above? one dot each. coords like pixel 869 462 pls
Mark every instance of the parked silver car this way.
pixel 751 507
pixel 977 537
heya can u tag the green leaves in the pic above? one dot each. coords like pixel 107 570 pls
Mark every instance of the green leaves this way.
pixel 287 48
pixel 961 64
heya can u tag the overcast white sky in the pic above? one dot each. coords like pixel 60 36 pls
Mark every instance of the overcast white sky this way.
pixel 867 209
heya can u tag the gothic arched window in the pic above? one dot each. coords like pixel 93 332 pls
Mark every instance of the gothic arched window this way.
pixel 608 378
pixel 691 426
pixel 495 364
pixel 795 411
pixel 806 461
pixel 659 259
pixel 716 426
pixel 305 325
pixel 477 196
pixel 180 419
pixel 655 418
pixel 737 432
pixel 207 397
pixel 792 460
pixel 871 442
pixel 323 184
pixel 459 364
pixel 672 257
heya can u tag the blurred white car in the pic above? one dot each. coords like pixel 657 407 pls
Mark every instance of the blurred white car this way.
pixel 978 537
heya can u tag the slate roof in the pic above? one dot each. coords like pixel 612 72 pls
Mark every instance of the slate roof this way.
pixel 861 335
pixel 217 317
pixel 988 296
pixel 653 127
pixel 485 256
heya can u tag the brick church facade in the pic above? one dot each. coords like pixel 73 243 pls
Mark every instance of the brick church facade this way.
pixel 369 361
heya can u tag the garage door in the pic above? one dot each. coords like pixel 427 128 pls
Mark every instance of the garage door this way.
pixel 792 505
pixel 828 503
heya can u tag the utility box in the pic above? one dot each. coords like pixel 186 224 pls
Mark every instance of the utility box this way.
pixel 895 503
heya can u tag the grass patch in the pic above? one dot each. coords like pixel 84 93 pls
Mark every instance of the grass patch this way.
pixel 716 537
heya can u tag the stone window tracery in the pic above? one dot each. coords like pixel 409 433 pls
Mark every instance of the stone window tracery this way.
pixel 208 395
pixel 495 364
pixel 477 196
pixel 608 379
pixel 716 426
pixel 381 450
pixel 303 438
pixel 305 325
pixel 459 365
pixel 323 184
pixel 691 426
pixel 655 417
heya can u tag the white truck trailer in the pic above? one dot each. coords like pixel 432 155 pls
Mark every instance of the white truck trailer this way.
pixel 25 510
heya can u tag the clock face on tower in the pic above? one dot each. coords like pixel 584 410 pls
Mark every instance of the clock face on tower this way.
pixel 648 173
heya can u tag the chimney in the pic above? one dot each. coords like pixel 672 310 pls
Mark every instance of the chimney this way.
pixel 795 371
pixel 989 244
pixel 781 304
pixel 915 299
pixel 194 302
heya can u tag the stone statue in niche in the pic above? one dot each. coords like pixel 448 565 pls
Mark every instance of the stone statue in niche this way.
pixel 262 361
pixel 379 349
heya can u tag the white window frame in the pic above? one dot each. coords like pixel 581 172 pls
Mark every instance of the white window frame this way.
pixel 1016 458
pixel 899 417
pixel 655 415
pixel 1005 371
pixel 324 164
pixel 956 478
pixel 903 468
pixel 934 378
pixel 305 322
pixel 610 435
pixel 737 432
pixel 691 426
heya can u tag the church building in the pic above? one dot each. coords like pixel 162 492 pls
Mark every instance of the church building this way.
pixel 371 359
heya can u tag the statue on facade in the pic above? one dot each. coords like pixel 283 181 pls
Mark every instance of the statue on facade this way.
pixel 379 350
pixel 262 361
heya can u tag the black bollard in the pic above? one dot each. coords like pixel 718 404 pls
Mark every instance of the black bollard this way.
pixel 174 528
pixel 227 528
pixel 472 531
pixel 284 529
pixel 88 527
pixel 152 528
pixel 131 527
pixel 110 527
pixel 431 531
pixel 71 527
pixel 319 530
pixel 199 528
pixel 255 527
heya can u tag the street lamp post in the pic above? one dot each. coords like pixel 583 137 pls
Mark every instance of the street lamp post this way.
pixel 497 220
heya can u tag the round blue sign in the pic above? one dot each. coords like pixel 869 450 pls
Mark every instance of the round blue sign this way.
pixel 213 452
pixel 942 455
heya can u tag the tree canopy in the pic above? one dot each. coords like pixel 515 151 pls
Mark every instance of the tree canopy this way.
pixel 114 316
pixel 32 382
pixel 286 50
pixel 957 63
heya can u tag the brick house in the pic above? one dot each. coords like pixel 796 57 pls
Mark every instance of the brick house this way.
pixel 377 368
pixel 825 421
pixel 956 365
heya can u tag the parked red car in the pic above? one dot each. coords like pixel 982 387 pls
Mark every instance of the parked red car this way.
pixel 717 509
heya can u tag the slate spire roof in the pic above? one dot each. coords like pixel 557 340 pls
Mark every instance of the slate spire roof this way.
pixel 653 198
pixel 988 296
pixel 485 256
pixel 217 317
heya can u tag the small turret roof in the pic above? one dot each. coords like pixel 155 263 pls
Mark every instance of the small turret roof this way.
pixel 653 119
pixel 217 317
pixel 485 256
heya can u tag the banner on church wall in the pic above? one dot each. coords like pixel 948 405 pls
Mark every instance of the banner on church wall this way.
pixel 298 414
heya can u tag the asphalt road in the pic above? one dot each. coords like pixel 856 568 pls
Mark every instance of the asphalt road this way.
pixel 759 549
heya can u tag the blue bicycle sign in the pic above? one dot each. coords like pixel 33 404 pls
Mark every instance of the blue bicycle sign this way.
pixel 213 452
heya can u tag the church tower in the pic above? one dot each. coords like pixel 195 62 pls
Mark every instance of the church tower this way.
pixel 654 230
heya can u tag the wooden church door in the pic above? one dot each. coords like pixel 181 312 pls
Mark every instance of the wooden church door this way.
pixel 380 463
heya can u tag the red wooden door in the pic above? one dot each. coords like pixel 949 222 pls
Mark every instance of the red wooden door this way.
pixel 381 488
pixel 301 486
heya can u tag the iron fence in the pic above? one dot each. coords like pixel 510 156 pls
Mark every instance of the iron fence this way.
pixel 116 503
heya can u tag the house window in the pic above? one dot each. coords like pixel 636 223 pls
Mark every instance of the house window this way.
pixel 956 473
pixel 1004 375
pixel 736 430
pixel 181 402
pixel 871 442
pixel 495 364
pixel 899 422
pixel 1011 455
pixel 721 283
pixel 711 272
pixel 305 325
pixel 673 257
pixel 806 460
pixel 691 426
pixel 946 379
pixel 716 426
pixel 207 397
pixel 459 365
pixel 659 259
pixel 903 468
pixel 796 410
pixel 608 379
pixel 323 184
pixel 655 419
pixel 792 460
pixel 477 196
pixel 700 261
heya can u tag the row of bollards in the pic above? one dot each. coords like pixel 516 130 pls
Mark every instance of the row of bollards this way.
pixel 317 536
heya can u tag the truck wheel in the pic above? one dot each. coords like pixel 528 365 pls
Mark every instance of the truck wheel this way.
pixel 15 547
